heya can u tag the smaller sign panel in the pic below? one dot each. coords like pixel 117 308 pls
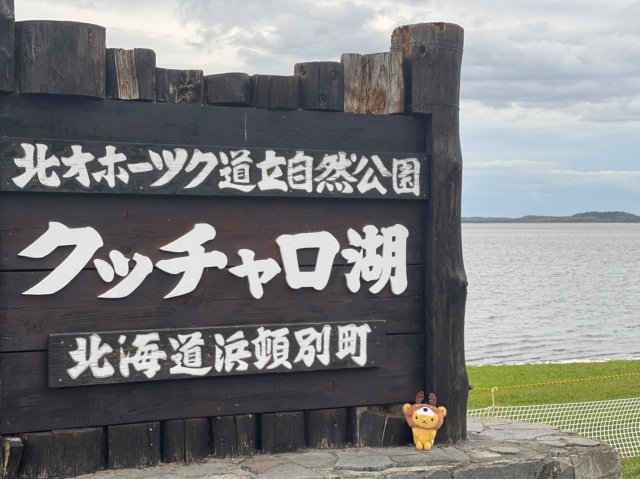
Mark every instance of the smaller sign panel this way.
pixel 97 167
pixel 83 359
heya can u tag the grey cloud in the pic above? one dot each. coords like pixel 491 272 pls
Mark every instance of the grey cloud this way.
pixel 569 54
pixel 272 36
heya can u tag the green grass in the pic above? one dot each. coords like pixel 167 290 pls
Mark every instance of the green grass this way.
pixel 631 468
pixel 593 390
pixel 577 391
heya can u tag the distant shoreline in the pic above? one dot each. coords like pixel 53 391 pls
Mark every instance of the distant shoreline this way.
pixel 588 217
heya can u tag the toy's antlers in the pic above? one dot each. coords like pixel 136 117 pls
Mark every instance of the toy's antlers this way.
pixel 432 399
pixel 419 397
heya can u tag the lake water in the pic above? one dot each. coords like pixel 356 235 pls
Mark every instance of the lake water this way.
pixel 551 292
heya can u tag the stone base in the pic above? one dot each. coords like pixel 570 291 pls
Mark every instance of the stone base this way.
pixel 495 449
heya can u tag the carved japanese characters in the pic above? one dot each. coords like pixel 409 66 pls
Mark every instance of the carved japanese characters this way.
pixel 378 255
pixel 424 420
pixel 111 168
pixel 111 357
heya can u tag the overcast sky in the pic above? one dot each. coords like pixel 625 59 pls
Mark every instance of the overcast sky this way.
pixel 550 96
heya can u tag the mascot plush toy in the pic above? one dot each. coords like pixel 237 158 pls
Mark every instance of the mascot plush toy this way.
pixel 424 420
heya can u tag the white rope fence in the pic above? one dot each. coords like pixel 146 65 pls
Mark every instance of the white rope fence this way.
pixel 616 422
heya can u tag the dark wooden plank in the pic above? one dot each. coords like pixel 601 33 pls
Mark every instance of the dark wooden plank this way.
pixel 433 56
pixel 24 375
pixel 396 432
pixel 196 439
pixel 133 445
pixel 180 86
pixel 282 431
pixel 374 83
pixel 12 448
pixel 321 85
pixel 275 91
pixel 27 327
pixel 370 429
pixel 80 119
pixel 228 89
pixel 172 440
pixel 82 167
pixel 186 353
pixel 36 455
pixel 234 435
pixel 225 442
pixel 148 223
pixel 7 48
pixel 260 91
pixel 77 451
pixel 246 434
pixel 27 320
pixel 131 74
pixel 63 58
pixel 326 428
pixel 284 92
pixel 355 416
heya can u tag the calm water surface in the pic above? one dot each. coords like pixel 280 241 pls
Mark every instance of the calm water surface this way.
pixel 551 292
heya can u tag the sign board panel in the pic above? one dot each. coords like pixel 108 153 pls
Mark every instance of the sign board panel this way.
pixel 156 277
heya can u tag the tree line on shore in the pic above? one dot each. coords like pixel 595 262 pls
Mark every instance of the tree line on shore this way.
pixel 587 217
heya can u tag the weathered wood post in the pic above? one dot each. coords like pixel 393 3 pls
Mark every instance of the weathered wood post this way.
pixel 433 59
pixel 7 50
pixel 61 58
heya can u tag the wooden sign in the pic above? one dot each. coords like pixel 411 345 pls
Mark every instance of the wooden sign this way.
pixel 87 261
pixel 130 356
pixel 166 258
pixel 98 167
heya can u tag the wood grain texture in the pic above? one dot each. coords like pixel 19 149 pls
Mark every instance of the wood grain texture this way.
pixel 7 46
pixel 433 59
pixel 276 92
pixel 247 434
pixel 282 432
pixel 433 55
pixel 24 375
pixel 63 453
pixel 133 445
pixel 62 58
pixel 370 429
pixel 12 448
pixel 27 327
pixel 79 119
pixel 224 442
pixel 196 439
pixel 321 85
pixel 172 440
pixel 234 436
pixel 180 86
pixel 326 428
pixel 36 455
pixel 131 74
pixel 228 89
pixel 374 83
pixel 396 432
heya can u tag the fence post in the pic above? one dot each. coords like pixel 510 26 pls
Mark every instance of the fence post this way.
pixel 433 58
pixel 7 49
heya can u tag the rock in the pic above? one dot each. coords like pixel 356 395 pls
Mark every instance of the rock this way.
pixel 597 465
pixel 362 461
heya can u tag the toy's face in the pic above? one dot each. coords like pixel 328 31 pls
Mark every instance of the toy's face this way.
pixel 425 417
